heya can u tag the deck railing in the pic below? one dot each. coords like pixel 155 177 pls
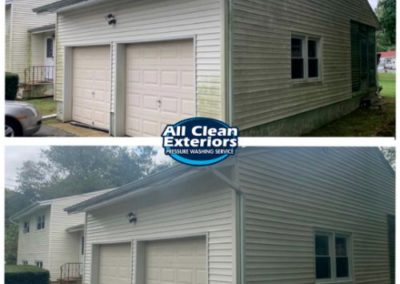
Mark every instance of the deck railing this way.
pixel 39 75
pixel 70 272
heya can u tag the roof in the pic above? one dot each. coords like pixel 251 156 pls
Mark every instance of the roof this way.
pixel 53 7
pixel 388 54
pixel 47 203
pixel 163 177
pixel 77 228
pixel 42 29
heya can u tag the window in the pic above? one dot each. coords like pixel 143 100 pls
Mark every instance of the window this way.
pixel 40 222
pixel 332 261
pixel 39 263
pixel 363 56
pixel 49 48
pixel 25 262
pixel 26 227
pixel 305 57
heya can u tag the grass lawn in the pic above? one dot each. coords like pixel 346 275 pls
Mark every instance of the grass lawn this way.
pixel 367 122
pixel 45 106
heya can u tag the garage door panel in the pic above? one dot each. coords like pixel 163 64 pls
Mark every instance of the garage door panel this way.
pixel 91 86
pixel 160 85
pixel 115 264
pixel 176 261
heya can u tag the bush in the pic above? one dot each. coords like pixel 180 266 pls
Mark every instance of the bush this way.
pixel 26 274
pixel 12 81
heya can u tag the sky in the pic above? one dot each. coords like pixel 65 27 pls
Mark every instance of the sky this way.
pixel 16 155
pixel 374 3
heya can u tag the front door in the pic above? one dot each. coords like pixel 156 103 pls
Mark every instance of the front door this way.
pixel 49 58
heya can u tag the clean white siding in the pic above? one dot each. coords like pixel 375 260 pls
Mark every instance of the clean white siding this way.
pixel 206 206
pixel 151 21
pixel 8 31
pixel 23 19
pixel 263 88
pixel 34 246
pixel 64 246
pixel 291 193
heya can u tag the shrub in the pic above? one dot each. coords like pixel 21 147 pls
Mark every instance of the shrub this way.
pixel 25 274
pixel 12 81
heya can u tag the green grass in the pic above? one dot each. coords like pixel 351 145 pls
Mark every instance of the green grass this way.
pixel 22 268
pixel 45 106
pixel 388 82
pixel 367 122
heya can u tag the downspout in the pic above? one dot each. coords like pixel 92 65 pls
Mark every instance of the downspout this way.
pixel 239 217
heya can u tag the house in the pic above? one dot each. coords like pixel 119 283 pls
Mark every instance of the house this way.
pixel 277 67
pixel 29 44
pixel 387 61
pixel 50 238
pixel 268 215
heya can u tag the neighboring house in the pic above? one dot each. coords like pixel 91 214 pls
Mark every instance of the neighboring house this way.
pixel 50 238
pixel 276 67
pixel 30 46
pixel 387 61
pixel 270 215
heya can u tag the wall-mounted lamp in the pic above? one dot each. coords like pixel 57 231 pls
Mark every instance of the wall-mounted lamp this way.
pixel 132 218
pixel 110 18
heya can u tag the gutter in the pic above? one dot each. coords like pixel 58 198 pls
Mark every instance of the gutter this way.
pixel 230 61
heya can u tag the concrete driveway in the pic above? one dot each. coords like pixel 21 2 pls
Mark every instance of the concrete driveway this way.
pixel 60 129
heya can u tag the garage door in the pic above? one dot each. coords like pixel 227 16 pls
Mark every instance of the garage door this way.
pixel 160 86
pixel 91 86
pixel 115 264
pixel 176 261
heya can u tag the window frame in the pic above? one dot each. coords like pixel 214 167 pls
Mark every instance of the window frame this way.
pixel 51 46
pixel 41 222
pixel 305 38
pixel 332 252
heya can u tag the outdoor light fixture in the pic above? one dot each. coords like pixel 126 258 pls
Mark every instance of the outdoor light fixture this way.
pixel 132 218
pixel 110 18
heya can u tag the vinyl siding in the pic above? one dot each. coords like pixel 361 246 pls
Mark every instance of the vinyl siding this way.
pixel 289 194
pixel 63 246
pixel 151 21
pixel 204 207
pixel 23 19
pixel 53 245
pixel 263 90
pixel 8 32
pixel 34 246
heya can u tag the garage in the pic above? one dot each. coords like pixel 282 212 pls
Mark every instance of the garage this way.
pixel 160 86
pixel 91 86
pixel 176 261
pixel 115 264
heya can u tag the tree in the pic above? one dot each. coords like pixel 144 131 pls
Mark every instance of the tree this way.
pixel 386 13
pixel 67 170
pixel 390 155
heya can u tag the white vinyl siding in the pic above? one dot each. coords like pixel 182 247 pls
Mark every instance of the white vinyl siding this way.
pixel 34 245
pixel 263 90
pixel 143 21
pixel 22 19
pixel 205 208
pixel 290 196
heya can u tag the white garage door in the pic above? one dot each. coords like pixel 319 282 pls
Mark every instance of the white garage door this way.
pixel 176 262
pixel 115 264
pixel 160 86
pixel 91 88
